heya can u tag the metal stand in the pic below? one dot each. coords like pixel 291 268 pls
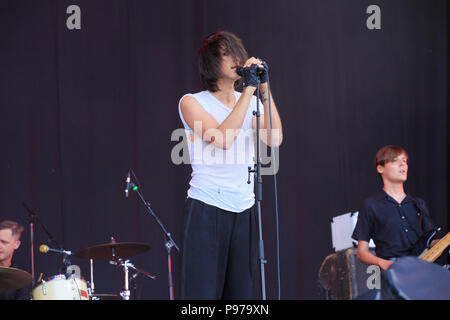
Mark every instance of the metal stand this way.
pixel 258 196
pixel 168 237
pixel 126 292
pixel 32 220
pixel 126 265
pixel 92 286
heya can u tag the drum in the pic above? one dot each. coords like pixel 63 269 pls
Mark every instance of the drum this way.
pixel 61 287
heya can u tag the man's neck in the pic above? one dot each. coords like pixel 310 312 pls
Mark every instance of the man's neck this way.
pixel 395 190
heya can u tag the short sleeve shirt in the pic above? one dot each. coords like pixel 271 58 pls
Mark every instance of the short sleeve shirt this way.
pixel 394 227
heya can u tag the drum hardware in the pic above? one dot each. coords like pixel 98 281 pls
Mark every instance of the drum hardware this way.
pixel 91 287
pixel 115 252
pixel 89 290
pixel 66 285
pixel 44 288
pixel 126 265
pixel 95 296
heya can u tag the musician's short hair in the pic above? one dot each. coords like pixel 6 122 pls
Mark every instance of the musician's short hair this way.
pixel 210 56
pixel 387 154
pixel 15 227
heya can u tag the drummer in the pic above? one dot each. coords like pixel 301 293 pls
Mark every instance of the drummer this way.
pixel 10 232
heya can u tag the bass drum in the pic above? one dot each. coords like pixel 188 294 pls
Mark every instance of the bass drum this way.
pixel 61 287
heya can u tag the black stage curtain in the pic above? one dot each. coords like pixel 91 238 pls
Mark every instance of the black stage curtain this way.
pixel 79 107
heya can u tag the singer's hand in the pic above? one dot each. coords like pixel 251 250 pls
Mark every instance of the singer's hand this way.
pixel 251 77
pixel 253 60
pixel 262 76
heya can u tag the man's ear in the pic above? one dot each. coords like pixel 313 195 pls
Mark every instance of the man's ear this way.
pixel 17 244
pixel 380 169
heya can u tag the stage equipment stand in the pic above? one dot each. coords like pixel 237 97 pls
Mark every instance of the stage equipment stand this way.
pixel 169 242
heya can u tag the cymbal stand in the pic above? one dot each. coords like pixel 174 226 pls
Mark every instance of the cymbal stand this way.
pixel 92 286
pixel 126 265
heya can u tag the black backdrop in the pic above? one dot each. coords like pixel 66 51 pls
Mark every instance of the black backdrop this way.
pixel 79 107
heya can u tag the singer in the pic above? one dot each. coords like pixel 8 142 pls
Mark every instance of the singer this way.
pixel 220 231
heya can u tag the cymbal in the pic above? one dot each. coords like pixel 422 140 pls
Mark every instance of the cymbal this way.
pixel 12 278
pixel 111 251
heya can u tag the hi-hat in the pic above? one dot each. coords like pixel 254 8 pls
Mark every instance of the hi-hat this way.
pixel 113 251
pixel 12 278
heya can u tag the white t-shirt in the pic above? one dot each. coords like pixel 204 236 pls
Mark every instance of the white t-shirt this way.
pixel 219 177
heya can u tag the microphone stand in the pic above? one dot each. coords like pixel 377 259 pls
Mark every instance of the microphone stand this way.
pixel 169 244
pixel 258 181
pixel 33 219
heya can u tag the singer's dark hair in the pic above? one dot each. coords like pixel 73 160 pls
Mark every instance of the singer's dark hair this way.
pixel 16 228
pixel 210 56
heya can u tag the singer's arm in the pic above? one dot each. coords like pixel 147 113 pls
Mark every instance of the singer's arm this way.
pixel 277 130
pixel 205 126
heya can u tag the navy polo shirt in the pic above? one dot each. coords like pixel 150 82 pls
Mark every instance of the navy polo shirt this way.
pixel 394 227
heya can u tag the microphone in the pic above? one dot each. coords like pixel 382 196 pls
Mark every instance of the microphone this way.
pixel 259 70
pixel 44 249
pixel 128 180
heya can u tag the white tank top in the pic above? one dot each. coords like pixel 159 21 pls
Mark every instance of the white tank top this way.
pixel 219 177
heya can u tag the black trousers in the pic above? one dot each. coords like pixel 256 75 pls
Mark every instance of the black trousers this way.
pixel 219 256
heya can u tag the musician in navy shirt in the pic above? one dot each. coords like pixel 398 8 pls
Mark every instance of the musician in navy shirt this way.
pixel 393 219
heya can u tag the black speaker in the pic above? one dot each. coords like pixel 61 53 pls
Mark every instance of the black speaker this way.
pixel 410 278
pixel 343 277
